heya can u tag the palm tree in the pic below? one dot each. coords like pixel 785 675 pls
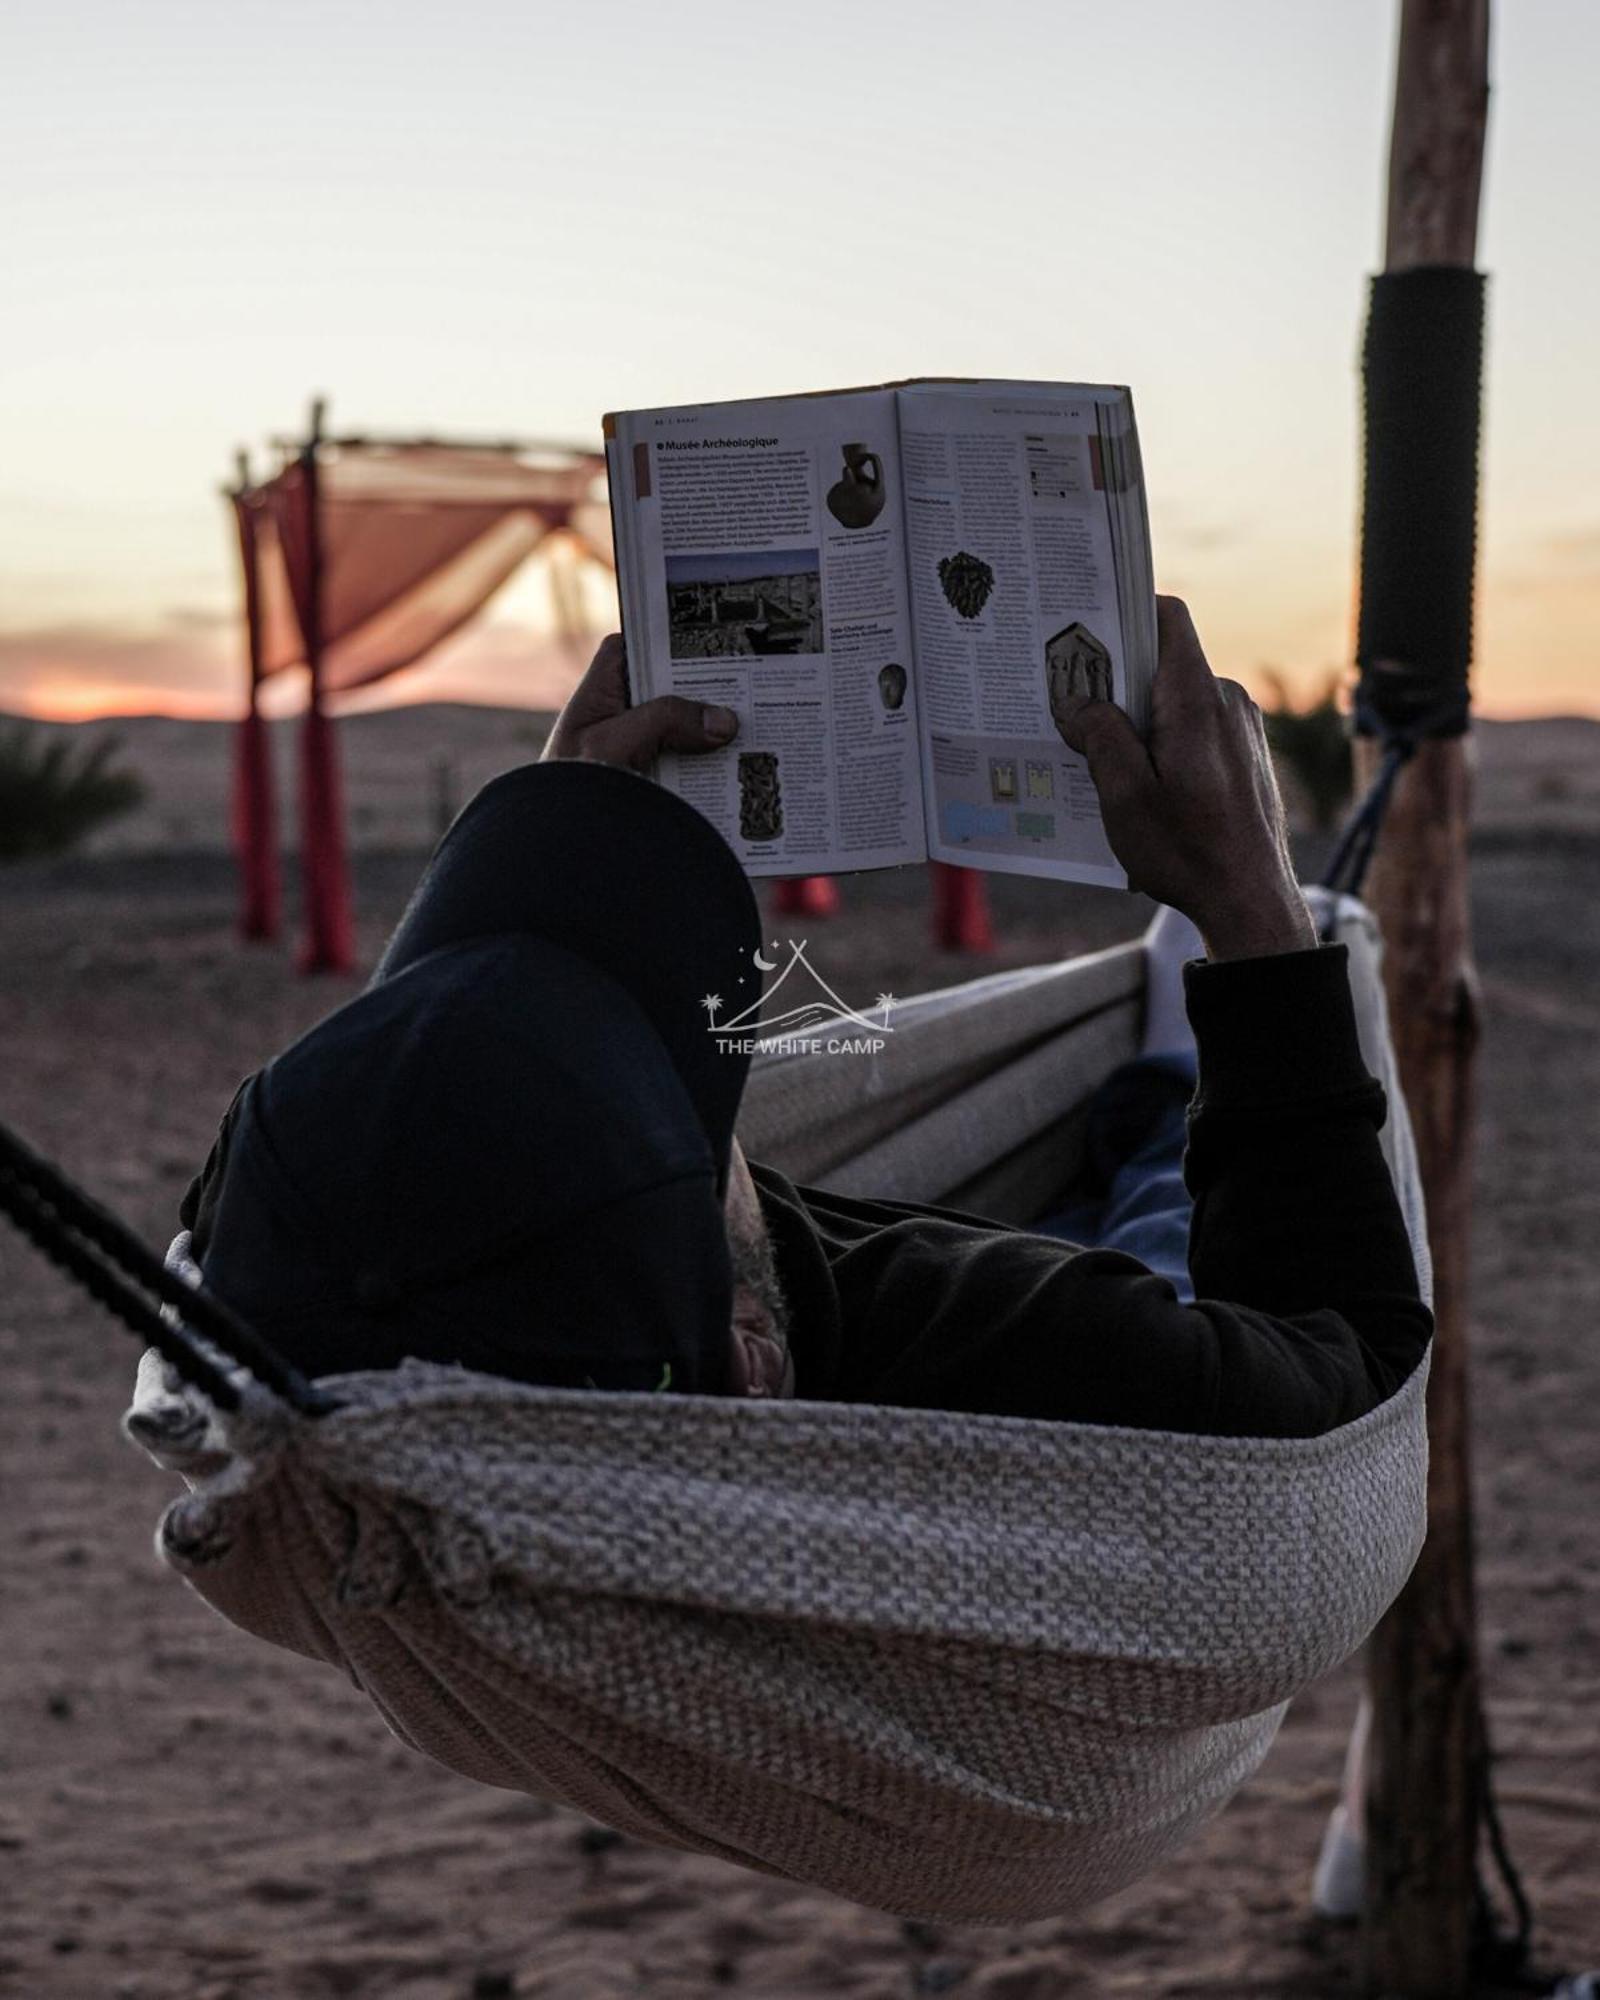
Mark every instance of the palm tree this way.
pixel 1313 744
pixel 52 793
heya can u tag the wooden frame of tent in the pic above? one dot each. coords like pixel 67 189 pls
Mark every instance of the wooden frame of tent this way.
pixel 360 554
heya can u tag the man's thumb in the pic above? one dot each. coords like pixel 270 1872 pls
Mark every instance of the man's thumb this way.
pixel 679 724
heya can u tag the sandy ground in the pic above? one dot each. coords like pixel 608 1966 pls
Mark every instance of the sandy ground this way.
pixel 187 1815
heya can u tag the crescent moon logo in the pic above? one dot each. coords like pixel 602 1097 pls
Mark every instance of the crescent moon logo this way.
pixel 764 964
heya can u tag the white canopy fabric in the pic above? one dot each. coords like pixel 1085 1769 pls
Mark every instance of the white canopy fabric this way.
pixel 413 539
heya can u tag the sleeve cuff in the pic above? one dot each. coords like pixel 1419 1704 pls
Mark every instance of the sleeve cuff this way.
pixel 1275 1031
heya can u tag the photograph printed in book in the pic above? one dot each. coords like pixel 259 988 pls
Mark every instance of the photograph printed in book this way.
pixel 743 604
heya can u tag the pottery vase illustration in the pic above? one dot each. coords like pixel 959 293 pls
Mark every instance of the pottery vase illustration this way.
pixel 856 499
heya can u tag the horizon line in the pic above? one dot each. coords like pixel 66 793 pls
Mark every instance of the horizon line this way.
pixel 210 712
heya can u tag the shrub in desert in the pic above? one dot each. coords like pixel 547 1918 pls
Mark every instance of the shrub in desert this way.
pixel 1311 745
pixel 53 791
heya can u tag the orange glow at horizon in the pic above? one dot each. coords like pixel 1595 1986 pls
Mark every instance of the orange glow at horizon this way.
pixel 100 701
pixel 94 701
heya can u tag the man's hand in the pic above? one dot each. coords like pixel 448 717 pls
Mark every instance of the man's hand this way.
pixel 1194 815
pixel 598 724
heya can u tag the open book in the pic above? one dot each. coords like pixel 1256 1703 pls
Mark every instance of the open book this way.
pixel 891 587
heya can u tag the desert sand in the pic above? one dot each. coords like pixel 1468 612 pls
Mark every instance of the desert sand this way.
pixel 188 1815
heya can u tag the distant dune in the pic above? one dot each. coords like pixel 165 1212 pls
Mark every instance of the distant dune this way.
pixel 1539 776
pixel 406 770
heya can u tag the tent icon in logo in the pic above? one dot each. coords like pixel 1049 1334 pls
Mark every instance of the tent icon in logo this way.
pixel 798 1001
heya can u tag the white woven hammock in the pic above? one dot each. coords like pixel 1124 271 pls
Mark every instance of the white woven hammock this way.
pixel 975 1668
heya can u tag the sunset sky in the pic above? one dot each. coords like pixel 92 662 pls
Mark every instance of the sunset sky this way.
pixel 503 219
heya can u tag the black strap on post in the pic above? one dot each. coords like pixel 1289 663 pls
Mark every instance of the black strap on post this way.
pixel 116 1269
pixel 1422 368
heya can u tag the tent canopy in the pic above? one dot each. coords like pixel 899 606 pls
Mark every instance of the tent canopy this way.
pixel 411 539
pixel 360 554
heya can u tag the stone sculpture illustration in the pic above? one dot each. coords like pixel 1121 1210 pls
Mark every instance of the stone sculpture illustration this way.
pixel 856 498
pixel 892 685
pixel 1076 663
pixel 760 795
pixel 967 581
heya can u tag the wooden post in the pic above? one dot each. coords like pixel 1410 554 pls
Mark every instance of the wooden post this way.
pixel 325 868
pixel 1424 1800
pixel 254 815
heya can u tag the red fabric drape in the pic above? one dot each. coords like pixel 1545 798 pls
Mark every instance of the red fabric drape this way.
pixel 255 831
pixel 360 557
pixel 329 925
pixel 805 896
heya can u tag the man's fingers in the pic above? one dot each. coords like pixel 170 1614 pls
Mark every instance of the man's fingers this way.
pixel 1175 628
pixel 1182 671
pixel 667 723
pixel 609 655
pixel 603 690
pixel 1104 737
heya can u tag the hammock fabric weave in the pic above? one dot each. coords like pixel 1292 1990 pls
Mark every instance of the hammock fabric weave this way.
pixel 976 1668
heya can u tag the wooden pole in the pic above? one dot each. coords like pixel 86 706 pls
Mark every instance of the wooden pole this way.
pixel 254 813
pixel 1424 1799
pixel 329 942
pixel 313 632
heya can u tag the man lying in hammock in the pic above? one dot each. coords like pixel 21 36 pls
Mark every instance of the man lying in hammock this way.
pixel 516 1148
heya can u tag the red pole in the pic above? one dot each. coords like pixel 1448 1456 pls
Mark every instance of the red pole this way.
pixel 329 933
pixel 961 919
pixel 805 896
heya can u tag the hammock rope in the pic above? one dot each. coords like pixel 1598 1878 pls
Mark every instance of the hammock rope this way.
pixel 1346 872
pixel 103 1255
pixel 1352 857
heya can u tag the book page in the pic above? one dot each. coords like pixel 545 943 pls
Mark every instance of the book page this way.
pixel 761 552
pixel 1017 510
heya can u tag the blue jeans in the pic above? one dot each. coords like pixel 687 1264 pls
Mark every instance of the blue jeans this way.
pixel 1133 1197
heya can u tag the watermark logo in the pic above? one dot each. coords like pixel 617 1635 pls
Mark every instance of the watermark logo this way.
pixel 799 1014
